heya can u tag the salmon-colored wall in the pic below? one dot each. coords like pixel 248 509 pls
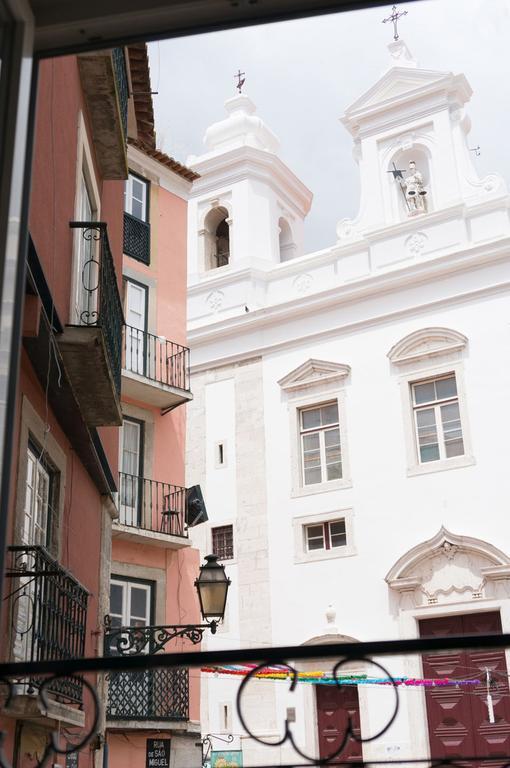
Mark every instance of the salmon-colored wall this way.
pixel 53 194
pixel 79 543
pixel 167 272
pixel 52 207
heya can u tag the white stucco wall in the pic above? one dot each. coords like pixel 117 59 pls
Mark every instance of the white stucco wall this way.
pixel 255 322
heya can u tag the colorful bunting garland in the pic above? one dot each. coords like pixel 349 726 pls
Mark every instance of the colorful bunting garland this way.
pixel 318 677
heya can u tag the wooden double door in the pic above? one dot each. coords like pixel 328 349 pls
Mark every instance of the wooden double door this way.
pixel 458 718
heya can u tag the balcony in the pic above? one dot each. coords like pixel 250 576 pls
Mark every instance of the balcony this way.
pixel 152 510
pixel 154 370
pixel 137 238
pixel 156 694
pixel 105 86
pixel 48 617
pixel 91 349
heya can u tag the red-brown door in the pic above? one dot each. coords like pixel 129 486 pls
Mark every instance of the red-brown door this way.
pixel 335 705
pixel 458 719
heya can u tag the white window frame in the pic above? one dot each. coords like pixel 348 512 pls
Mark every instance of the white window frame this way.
pixel 33 429
pixel 435 406
pixel 421 374
pixel 127 585
pixel 296 405
pixel 85 169
pixel 128 196
pixel 301 522
pixel 36 528
pixel 321 430
pixel 326 526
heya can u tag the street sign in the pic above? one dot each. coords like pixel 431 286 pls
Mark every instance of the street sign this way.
pixel 158 753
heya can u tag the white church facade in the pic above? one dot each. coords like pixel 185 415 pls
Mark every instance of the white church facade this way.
pixel 351 415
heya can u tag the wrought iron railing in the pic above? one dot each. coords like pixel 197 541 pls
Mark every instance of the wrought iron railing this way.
pixel 48 614
pixel 155 694
pixel 121 81
pixel 155 358
pixel 482 686
pixel 151 505
pixel 99 298
pixel 137 238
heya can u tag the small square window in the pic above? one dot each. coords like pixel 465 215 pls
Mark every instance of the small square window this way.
pixel 223 542
pixel 324 536
pixel 136 197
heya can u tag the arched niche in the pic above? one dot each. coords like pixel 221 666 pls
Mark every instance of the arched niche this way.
pixel 286 240
pixel 449 568
pixel 403 206
pixel 216 234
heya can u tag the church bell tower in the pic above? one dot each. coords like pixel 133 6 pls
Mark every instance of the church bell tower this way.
pixel 246 210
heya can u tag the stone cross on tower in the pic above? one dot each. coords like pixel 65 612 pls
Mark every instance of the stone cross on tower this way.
pixel 395 16
pixel 240 80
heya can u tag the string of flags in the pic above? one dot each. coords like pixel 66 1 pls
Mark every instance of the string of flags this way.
pixel 319 677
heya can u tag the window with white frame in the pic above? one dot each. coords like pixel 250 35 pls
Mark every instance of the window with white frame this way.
pixel 136 197
pixel 130 604
pixel 437 420
pixel 327 535
pixel 37 498
pixel 321 455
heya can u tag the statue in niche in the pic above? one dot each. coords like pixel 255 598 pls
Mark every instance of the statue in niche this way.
pixel 412 188
pixel 414 191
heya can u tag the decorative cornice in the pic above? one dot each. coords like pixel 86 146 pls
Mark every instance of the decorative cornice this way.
pixel 372 284
pixel 425 343
pixel 234 165
pixel 314 372
pixel 422 84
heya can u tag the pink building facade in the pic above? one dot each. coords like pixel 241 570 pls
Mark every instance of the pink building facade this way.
pixel 153 565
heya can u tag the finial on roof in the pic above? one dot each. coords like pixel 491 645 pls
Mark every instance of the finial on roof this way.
pixel 395 16
pixel 330 615
pixel 240 80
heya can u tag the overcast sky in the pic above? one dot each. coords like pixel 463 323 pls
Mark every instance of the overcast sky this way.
pixel 303 74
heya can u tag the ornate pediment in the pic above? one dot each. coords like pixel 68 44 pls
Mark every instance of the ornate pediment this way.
pixel 449 568
pixel 396 83
pixel 314 372
pixel 404 85
pixel 427 342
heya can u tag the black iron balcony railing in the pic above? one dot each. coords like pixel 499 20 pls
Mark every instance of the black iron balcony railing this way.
pixel 49 614
pixel 155 358
pixel 99 298
pixel 151 505
pixel 154 694
pixel 137 238
pixel 121 81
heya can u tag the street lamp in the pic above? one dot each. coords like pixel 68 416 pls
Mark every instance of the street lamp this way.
pixel 212 586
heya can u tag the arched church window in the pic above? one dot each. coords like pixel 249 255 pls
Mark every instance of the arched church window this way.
pixel 287 245
pixel 217 234
pixel 409 176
